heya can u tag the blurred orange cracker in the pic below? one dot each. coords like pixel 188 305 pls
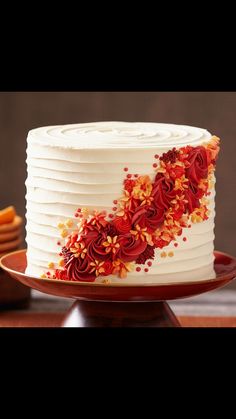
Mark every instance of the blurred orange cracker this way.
pixel 7 215
pixel 10 245
pixel 14 225
pixel 11 235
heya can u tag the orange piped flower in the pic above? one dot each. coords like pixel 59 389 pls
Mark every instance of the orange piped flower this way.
pixel 111 244
pixel 143 188
pixel 141 233
pixel 200 214
pixel 181 183
pixel 213 147
pixel 97 218
pixel 121 268
pixel 97 267
pixel 79 250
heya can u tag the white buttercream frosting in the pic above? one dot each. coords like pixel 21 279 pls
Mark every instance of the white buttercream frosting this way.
pixel 81 165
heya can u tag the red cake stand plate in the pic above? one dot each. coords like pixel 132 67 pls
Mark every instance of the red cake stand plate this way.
pixel 88 309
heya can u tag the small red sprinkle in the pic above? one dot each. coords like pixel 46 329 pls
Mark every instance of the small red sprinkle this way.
pixel 138 269
pixel 60 254
pixel 115 201
pixel 149 263
pixel 176 244
pixel 184 239
pixel 189 226
pixel 136 175
pixel 48 273
pixel 129 176
pixel 79 210
pixel 111 215
pixel 114 209
pixel 156 156
pixel 146 270
pixel 58 243
pixel 80 215
pixel 76 214
pixel 126 169
pixel 154 165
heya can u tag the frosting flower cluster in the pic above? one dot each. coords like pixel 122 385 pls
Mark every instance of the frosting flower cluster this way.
pixel 150 214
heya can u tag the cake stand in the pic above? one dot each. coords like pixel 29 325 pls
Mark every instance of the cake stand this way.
pixel 120 305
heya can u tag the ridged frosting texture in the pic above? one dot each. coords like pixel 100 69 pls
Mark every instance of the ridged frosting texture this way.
pixel 82 165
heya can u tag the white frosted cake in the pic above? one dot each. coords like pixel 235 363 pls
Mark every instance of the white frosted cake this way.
pixel 121 202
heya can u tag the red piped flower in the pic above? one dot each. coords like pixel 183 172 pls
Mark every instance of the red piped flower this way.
pixel 149 216
pixel 130 248
pixel 122 224
pixel 163 191
pixel 197 164
pixel 108 267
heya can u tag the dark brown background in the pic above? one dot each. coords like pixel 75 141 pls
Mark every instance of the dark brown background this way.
pixel 215 111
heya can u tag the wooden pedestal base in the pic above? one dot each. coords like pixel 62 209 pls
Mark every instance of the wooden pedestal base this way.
pixel 118 314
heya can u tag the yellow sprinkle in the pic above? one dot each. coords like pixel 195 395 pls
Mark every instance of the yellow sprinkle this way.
pixel 64 233
pixel 171 254
pixel 163 255
pixel 60 226
pixel 61 262
pixel 106 281
pixel 50 265
pixel 43 276
pixel 69 223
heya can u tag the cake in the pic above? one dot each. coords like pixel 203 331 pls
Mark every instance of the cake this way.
pixel 119 202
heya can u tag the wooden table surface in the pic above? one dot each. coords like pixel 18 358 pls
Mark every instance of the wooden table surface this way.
pixel 214 309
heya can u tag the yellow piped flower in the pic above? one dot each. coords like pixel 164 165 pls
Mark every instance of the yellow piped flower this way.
pixel 143 188
pixel 199 214
pixel 50 265
pixel 111 244
pixel 61 262
pixel 60 226
pixel 97 267
pixel 79 249
pixel 64 233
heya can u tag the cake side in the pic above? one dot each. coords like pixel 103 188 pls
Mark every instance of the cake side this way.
pixel 63 178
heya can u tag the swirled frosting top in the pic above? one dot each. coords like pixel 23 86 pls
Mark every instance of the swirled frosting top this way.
pixel 120 135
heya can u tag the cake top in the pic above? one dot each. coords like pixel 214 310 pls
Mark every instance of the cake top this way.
pixel 118 135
